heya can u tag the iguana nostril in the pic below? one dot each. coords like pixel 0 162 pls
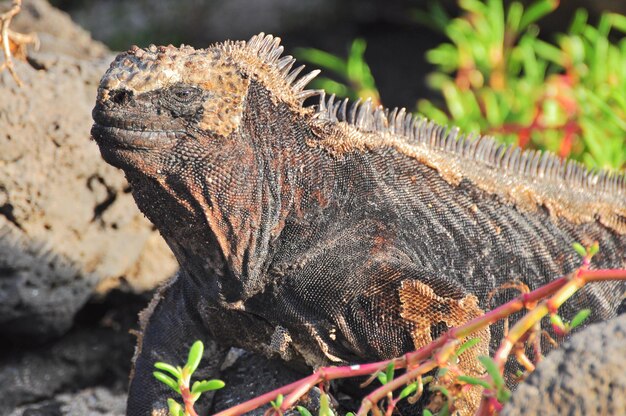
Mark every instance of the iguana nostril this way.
pixel 122 97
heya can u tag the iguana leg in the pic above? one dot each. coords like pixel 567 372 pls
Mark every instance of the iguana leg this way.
pixel 170 325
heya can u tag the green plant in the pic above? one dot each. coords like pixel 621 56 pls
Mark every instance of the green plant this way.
pixel 496 76
pixel 357 76
pixel 179 379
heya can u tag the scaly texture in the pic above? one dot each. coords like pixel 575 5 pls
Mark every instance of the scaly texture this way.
pixel 329 233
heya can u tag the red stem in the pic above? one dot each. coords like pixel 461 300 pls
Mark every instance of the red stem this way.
pixel 188 401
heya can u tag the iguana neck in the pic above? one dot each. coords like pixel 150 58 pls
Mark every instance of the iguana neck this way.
pixel 221 215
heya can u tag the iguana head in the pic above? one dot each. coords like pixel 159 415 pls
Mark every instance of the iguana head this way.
pixel 168 100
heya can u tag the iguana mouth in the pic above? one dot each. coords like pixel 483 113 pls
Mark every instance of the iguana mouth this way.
pixel 134 133
pixel 129 138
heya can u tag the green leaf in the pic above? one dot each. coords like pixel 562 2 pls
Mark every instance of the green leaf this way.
pixel 278 402
pixel 169 368
pixel 514 16
pixel 467 345
pixel 578 22
pixel 538 10
pixel 442 372
pixel 175 408
pixel 593 250
pixel 390 371
pixel 582 251
pixel 167 380
pixel 303 411
pixel 325 405
pixel 445 409
pixel 408 390
pixel 580 317
pixel 382 377
pixel 322 59
pixel 333 87
pixel 435 18
pixel 618 21
pixel 492 369
pixel 355 59
pixel 207 385
pixel 503 394
pixel 426 412
pixel 557 321
pixel 195 355
pixel 474 381
pixel 549 52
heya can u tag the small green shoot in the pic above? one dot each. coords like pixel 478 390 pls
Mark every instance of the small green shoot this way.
pixel 303 411
pixel 580 249
pixel 278 402
pixel 470 343
pixel 325 409
pixel 579 318
pixel 502 393
pixel 179 379
pixel 474 381
pixel 563 328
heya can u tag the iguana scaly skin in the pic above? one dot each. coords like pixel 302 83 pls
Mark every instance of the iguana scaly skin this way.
pixel 327 234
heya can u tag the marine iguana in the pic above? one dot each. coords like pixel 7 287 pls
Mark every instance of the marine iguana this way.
pixel 331 233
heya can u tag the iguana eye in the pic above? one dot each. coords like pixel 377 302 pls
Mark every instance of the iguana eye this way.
pixel 184 94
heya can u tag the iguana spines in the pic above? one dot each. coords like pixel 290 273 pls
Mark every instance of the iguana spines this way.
pixel 223 69
pixel 526 178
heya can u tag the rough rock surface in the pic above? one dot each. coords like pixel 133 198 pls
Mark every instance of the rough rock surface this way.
pixel 92 401
pixel 586 376
pixel 67 221
pixel 96 352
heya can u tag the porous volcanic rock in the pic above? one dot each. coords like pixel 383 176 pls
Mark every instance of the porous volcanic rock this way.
pixel 585 376
pixel 67 220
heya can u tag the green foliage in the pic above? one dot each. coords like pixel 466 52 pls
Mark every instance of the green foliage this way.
pixel 564 328
pixel 179 379
pixel 502 393
pixel 579 318
pixel 278 402
pixel 303 411
pixel 470 343
pixel 325 409
pixel 496 76
pixel 586 251
pixel 582 251
pixel 356 74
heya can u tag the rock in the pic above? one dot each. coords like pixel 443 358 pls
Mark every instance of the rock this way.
pixel 96 352
pixel 67 220
pixel 56 31
pixel 40 291
pixel 586 376
pixel 96 401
